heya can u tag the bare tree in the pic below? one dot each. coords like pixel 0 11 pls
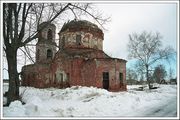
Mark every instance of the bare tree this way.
pixel 131 76
pixel 146 48
pixel 20 21
pixel 170 73
pixel 139 71
pixel 159 73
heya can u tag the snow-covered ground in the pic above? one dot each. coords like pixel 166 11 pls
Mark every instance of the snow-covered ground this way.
pixel 80 101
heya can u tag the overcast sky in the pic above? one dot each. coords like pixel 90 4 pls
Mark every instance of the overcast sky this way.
pixel 129 18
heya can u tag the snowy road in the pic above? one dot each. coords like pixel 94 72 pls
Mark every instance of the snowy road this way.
pixel 161 106
pixel 168 109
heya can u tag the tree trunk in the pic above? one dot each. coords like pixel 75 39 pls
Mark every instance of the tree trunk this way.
pixel 147 76
pixel 13 91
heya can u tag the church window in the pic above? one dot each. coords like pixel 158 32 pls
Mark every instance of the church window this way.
pixel 49 53
pixel 78 39
pixel 61 77
pixel 121 77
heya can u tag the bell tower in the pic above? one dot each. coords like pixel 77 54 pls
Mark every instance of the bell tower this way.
pixel 46 46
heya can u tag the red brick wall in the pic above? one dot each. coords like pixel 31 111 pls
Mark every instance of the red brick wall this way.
pixel 83 72
pixel 36 75
pixel 113 67
pixel 89 73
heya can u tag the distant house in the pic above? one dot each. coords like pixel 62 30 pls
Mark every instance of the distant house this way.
pixel 173 81
pixel 80 59
pixel 5 80
pixel 163 82
pixel 132 82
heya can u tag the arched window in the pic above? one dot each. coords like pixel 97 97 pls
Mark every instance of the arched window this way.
pixel 121 77
pixel 49 37
pixel 49 54
pixel 78 39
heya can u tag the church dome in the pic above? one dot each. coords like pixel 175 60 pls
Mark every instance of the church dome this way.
pixel 82 25
pixel 80 34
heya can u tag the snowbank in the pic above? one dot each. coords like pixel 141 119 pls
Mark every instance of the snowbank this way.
pixel 80 101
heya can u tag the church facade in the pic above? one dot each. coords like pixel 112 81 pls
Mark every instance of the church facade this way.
pixel 79 61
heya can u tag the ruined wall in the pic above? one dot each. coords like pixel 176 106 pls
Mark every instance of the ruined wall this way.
pixel 80 60
pixel 79 70
pixel 88 73
pixel 81 34
pixel 114 67
pixel 59 71
pixel 44 29
pixel 98 54
pixel 66 71
pixel 36 75
pixel 41 52
pixel 69 68
pixel 46 46
pixel 88 40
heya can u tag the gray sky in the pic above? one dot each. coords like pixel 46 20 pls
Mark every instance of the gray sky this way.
pixel 129 18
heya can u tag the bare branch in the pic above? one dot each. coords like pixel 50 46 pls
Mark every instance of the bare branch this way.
pixel 95 17
pixel 35 35
pixel 73 12
pixel 146 47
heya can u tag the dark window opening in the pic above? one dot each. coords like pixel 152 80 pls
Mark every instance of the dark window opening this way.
pixel 49 37
pixel 49 54
pixel 67 76
pixel 106 80
pixel 61 77
pixel 121 77
pixel 78 39
pixel 55 79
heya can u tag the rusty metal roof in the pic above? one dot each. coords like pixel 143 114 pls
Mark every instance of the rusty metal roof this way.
pixel 79 24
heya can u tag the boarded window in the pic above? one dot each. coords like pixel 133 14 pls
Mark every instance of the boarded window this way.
pixel 59 77
pixel 49 54
pixel 49 37
pixel 78 39
pixel 121 77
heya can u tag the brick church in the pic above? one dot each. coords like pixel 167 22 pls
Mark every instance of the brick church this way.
pixel 80 59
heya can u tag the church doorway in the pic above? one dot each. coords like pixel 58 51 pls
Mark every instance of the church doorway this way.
pixel 106 80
